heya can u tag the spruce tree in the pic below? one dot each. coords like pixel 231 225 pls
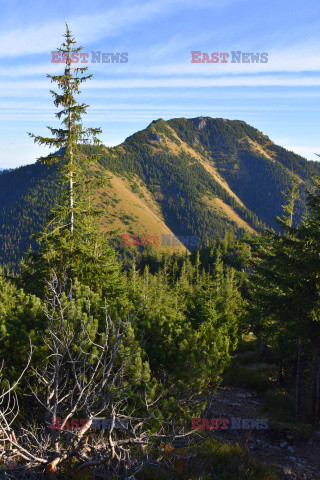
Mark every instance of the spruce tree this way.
pixel 66 139
pixel 285 288
pixel 73 242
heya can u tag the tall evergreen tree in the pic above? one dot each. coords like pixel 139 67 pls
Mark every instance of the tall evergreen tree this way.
pixel 66 139
pixel 285 288
pixel 73 241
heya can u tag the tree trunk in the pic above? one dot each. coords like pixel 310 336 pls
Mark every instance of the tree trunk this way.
pixel 280 371
pixel 314 384
pixel 317 402
pixel 298 382
pixel 260 346
pixel 71 203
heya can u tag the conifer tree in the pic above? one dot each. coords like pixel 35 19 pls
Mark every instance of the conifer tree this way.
pixel 66 139
pixel 20 320
pixel 285 288
pixel 73 241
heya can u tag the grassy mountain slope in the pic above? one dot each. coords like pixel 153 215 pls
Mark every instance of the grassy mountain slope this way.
pixel 182 177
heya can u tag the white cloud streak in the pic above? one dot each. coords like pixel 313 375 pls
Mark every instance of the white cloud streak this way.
pixel 87 29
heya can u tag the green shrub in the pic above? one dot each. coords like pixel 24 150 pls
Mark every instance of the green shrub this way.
pixel 248 358
pixel 248 343
pixel 279 405
pixel 241 376
pixel 211 459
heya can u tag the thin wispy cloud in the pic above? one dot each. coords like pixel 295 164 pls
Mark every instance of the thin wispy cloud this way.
pixel 280 97
pixel 18 88
pixel 41 38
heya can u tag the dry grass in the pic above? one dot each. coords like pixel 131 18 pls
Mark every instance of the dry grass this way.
pixel 226 211
pixel 133 212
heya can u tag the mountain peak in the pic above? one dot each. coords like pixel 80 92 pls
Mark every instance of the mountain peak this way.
pixel 200 122
pixel 198 177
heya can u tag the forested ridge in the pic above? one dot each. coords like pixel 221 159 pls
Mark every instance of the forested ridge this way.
pixel 172 159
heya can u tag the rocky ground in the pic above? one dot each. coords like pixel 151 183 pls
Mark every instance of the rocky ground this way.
pixel 297 454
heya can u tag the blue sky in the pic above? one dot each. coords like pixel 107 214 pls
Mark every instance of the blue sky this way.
pixel 281 98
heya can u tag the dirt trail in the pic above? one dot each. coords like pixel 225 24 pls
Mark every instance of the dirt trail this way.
pixel 297 454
